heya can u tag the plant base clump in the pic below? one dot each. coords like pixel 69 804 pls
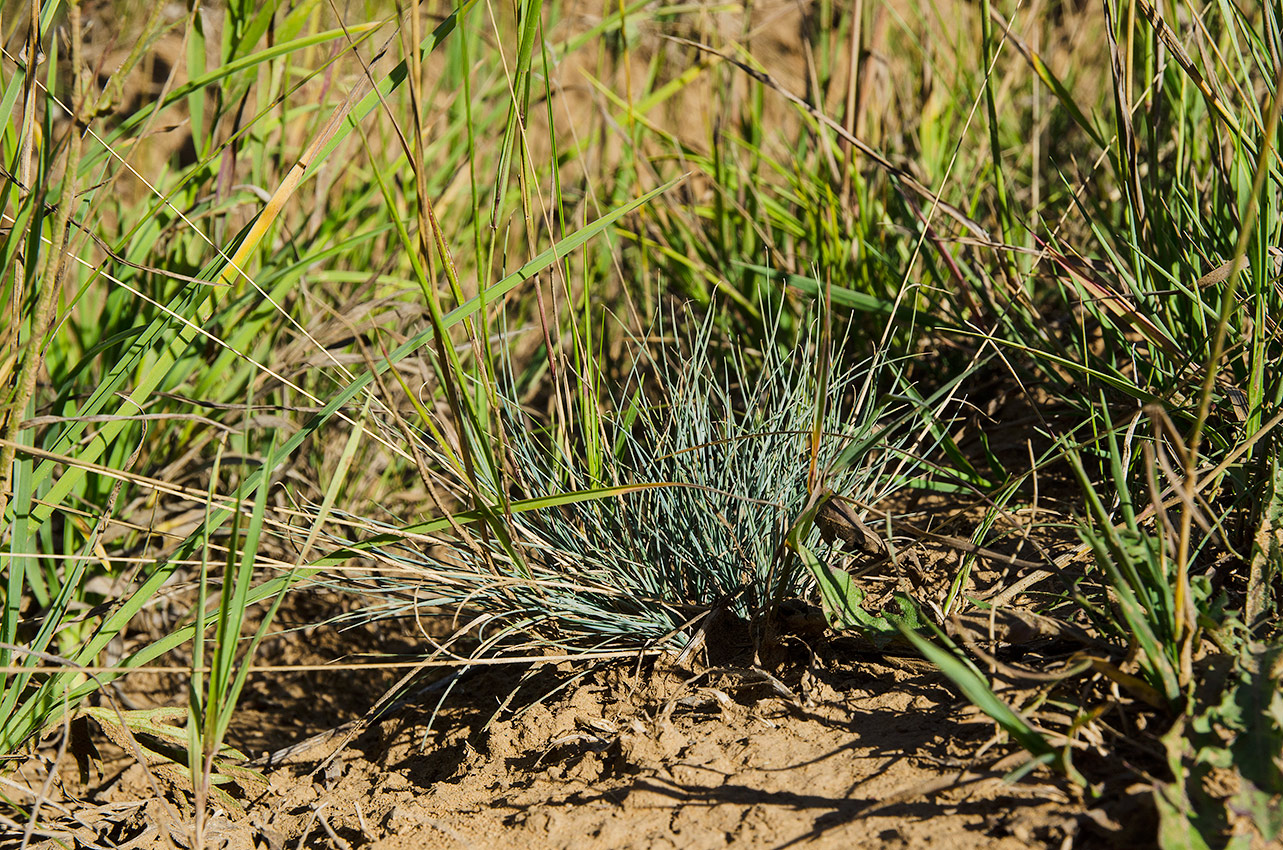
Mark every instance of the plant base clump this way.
pixel 683 507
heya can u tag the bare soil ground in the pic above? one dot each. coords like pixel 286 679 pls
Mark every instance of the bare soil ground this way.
pixel 840 749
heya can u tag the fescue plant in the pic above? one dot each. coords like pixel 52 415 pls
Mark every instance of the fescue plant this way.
pixel 679 505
